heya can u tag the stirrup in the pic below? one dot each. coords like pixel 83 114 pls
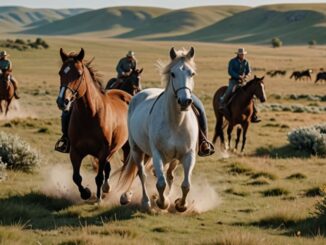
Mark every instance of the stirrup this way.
pixel 210 150
pixel 62 145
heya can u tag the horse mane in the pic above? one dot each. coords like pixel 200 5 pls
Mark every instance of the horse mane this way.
pixel 95 75
pixel 164 69
pixel 250 83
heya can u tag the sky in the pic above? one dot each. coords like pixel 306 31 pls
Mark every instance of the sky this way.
pixel 174 4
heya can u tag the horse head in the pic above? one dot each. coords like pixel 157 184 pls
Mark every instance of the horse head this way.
pixel 71 76
pixel 259 90
pixel 181 76
pixel 134 79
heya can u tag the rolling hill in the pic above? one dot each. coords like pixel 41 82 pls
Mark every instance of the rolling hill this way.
pixel 182 21
pixel 20 18
pixel 293 23
pixel 110 21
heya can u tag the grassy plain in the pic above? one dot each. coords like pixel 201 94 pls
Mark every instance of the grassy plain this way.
pixel 266 196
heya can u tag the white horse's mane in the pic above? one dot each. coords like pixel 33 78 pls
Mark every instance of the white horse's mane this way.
pixel 165 68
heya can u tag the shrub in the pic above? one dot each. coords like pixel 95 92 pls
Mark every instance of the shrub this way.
pixel 16 153
pixel 311 139
pixel 312 43
pixel 276 42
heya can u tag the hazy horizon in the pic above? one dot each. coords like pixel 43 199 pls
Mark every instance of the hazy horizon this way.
pixel 171 4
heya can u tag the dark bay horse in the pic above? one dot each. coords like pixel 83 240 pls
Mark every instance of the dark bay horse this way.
pixel 131 83
pixel 98 123
pixel 321 76
pixel 7 90
pixel 298 75
pixel 241 109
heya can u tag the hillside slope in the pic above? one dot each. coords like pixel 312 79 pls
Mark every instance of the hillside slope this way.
pixel 293 23
pixel 113 21
pixel 182 21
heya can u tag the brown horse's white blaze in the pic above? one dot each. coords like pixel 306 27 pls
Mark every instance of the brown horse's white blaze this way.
pixel 98 121
pixel 241 108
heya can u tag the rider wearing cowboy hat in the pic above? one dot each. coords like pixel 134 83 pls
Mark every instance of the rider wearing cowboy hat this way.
pixel 6 65
pixel 239 70
pixel 126 65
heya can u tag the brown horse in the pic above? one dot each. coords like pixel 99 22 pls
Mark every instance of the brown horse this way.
pixel 131 83
pixel 98 123
pixel 7 90
pixel 241 109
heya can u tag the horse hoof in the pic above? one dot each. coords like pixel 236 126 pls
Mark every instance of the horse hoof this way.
pixel 125 198
pixel 106 187
pixel 146 206
pixel 161 205
pixel 180 208
pixel 86 194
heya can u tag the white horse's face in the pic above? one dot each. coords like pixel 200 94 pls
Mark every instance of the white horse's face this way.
pixel 182 81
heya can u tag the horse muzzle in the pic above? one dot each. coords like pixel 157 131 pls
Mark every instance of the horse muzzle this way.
pixel 63 104
pixel 185 103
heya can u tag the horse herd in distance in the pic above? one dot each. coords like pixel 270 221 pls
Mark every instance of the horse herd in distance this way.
pixel 300 75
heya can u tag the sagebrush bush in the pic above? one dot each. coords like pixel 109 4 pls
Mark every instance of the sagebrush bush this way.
pixel 311 139
pixel 16 153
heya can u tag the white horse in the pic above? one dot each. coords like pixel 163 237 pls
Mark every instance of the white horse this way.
pixel 162 126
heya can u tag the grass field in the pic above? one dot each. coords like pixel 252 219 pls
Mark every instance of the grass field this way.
pixel 266 196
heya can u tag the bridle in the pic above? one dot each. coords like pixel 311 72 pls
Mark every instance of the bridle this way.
pixel 175 91
pixel 73 91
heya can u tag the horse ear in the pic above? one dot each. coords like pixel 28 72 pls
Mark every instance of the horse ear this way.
pixel 191 53
pixel 173 54
pixel 63 55
pixel 140 71
pixel 81 55
pixel 262 78
pixel 255 77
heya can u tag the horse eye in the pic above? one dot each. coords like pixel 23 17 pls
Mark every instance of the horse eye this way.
pixel 193 74
pixel 172 74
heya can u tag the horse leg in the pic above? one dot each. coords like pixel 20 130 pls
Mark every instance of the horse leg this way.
pixel 238 138
pixel 126 152
pixel 107 171
pixel 188 163
pixel 229 131
pixel 161 202
pixel 1 111
pixel 139 157
pixel 7 107
pixel 169 173
pixel 76 160
pixel 99 179
pixel 244 135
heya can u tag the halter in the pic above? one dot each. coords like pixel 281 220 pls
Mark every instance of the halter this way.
pixel 75 91
pixel 176 91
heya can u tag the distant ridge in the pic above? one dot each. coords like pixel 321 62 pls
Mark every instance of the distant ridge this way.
pixel 295 24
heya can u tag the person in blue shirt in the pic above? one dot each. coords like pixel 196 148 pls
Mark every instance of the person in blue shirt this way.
pixel 239 70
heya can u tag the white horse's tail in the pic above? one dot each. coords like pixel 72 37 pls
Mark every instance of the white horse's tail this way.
pixel 128 173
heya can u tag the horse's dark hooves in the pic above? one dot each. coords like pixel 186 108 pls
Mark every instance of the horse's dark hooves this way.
pixel 161 205
pixel 180 208
pixel 86 194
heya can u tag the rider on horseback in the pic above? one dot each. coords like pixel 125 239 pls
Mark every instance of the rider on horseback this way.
pixel 125 66
pixel 239 70
pixel 6 65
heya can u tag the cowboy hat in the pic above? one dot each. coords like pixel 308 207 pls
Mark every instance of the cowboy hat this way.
pixel 3 53
pixel 241 51
pixel 130 54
